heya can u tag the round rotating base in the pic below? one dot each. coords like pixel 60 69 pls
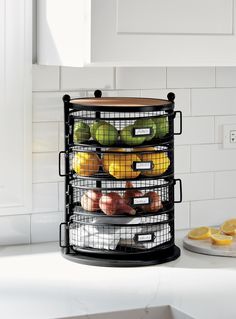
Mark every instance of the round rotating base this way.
pixel 159 257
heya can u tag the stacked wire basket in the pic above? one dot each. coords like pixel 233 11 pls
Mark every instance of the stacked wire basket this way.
pixel 119 180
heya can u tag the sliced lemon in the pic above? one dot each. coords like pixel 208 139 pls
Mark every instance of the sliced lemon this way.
pixel 214 230
pixel 200 233
pixel 229 227
pixel 219 239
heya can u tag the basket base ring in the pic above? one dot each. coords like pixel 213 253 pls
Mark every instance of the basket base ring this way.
pixel 156 258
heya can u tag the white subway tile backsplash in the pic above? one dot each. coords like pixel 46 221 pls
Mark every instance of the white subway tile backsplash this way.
pixel 61 199
pixel 45 227
pixel 212 157
pixel 45 197
pixel 14 230
pixel 182 98
pixel 45 78
pixel 212 212
pixel 190 77
pixel 140 77
pixel 87 78
pixel 45 167
pixel 46 106
pixel 61 136
pixel 118 93
pixel 220 121
pixel 197 186
pixel 182 159
pixel 213 101
pixel 182 213
pixel 226 76
pixel 225 184
pixel 45 137
pixel 208 171
pixel 196 130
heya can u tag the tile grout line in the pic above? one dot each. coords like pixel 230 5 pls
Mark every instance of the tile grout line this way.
pixel 59 78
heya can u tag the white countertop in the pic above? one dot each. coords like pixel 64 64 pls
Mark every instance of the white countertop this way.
pixel 37 282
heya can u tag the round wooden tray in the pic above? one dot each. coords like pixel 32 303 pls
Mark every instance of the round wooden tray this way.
pixel 122 104
pixel 205 247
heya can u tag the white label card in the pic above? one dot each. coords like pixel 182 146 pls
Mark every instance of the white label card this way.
pixel 145 131
pixel 146 237
pixel 143 165
pixel 141 200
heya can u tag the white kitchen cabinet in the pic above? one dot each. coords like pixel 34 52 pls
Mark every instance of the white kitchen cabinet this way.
pixel 137 32
pixel 15 106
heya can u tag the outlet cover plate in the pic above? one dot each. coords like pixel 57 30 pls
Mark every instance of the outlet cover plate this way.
pixel 228 136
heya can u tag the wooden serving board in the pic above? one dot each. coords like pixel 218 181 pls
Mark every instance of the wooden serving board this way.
pixel 206 247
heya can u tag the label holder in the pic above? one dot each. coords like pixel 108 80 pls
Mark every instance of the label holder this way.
pixel 142 131
pixel 142 200
pixel 143 166
pixel 144 237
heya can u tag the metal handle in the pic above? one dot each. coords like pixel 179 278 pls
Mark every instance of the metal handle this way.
pixel 180 191
pixel 60 231
pixel 59 163
pixel 180 123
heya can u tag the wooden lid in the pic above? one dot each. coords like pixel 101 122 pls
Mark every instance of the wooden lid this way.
pixel 120 102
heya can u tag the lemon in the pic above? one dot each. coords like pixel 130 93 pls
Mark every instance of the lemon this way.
pixel 229 227
pixel 160 161
pixel 85 164
pixel 122 166
pixel 219 239
pixel 109 158
pixel 214 231
pixel 200 233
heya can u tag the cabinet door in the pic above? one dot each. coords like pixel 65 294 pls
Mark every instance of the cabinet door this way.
pixel 137 32
pixel 15 106
pixel 164 32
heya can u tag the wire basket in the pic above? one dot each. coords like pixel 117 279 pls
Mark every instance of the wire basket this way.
pixel 119 176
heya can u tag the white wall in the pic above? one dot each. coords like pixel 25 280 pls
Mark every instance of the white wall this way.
pixel 207 98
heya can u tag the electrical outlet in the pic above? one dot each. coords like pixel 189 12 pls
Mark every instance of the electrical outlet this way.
pixel 229 136
pixel 232 136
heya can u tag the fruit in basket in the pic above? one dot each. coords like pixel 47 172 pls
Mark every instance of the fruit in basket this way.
pixel 109 158
pixel 162 126
pixel 131 193
pixel 220 240
pixel 90 200
pixel 86 164
pixel 200 233
pixel 106 134
pixel 122 166
pixel 155 203
pixel 81 132
pixel 160 161
pixel 147 123
pixel 94 126
pixel 113 204
pixel 126 136
pixel 229 227
pixel 140 151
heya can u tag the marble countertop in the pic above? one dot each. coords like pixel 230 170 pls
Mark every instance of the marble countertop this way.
pixel 37 282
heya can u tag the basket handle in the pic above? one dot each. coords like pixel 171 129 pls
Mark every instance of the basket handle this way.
pixel 59 163
pixel 60 236
pixel 180 191
pixel 180 123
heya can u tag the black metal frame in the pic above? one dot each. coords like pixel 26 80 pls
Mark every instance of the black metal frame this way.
pixel 159 255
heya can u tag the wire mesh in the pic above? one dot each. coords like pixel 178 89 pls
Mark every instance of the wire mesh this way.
pixel 124 164
pixel 121 128
pixel 120 174
pixel 120 235
pixel 115 198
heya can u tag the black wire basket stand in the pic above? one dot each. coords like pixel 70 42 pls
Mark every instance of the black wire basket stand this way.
pixel 119 181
